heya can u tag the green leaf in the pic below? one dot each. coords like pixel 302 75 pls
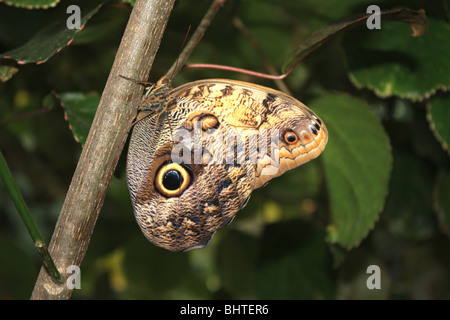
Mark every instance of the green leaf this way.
pixel 357 163
pixel 442 201
pixel 294 263
pixel 7 72
pixel 50 40
pixel 391 63
pixel 439 118
pixel 416 20
pixel 79 111
pixel 32 4
pixel 408 212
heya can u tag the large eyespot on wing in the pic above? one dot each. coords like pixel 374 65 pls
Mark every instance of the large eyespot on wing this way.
pixel 181 206
pixel 189 219
pixel 172 179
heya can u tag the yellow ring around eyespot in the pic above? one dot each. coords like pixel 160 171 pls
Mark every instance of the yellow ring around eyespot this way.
pixel 162 172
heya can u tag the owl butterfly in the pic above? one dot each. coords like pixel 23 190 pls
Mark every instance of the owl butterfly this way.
pixel 199 150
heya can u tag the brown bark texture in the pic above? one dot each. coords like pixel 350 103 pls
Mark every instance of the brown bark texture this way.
pixel 106 139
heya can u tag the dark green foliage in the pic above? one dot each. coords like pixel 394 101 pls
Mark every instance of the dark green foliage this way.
pixel 379 194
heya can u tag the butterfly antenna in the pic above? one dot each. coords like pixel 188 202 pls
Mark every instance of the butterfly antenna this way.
pixel 174 69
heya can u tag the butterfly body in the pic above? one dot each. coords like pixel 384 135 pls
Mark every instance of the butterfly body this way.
pixel 202 148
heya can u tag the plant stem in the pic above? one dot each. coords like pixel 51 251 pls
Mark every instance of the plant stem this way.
pixel 104 144
pixel 24 213
pixel 196 36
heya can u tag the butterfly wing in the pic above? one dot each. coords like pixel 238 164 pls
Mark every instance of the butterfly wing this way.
pixel 189 177
pixel 188 218
pixel 267 115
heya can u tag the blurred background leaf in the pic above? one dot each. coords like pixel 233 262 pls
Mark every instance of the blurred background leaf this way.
pixel 439 118
pixel 357 166
pixel 416 19
pixel 389 62
pixel 6 72
pixel 442 201
pixel 80 111
pixel 49 40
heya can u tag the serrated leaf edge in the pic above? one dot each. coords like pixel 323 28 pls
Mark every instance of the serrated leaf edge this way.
pixel 443 144
pixel 331 226
pixel 381 94
pixel 12 4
